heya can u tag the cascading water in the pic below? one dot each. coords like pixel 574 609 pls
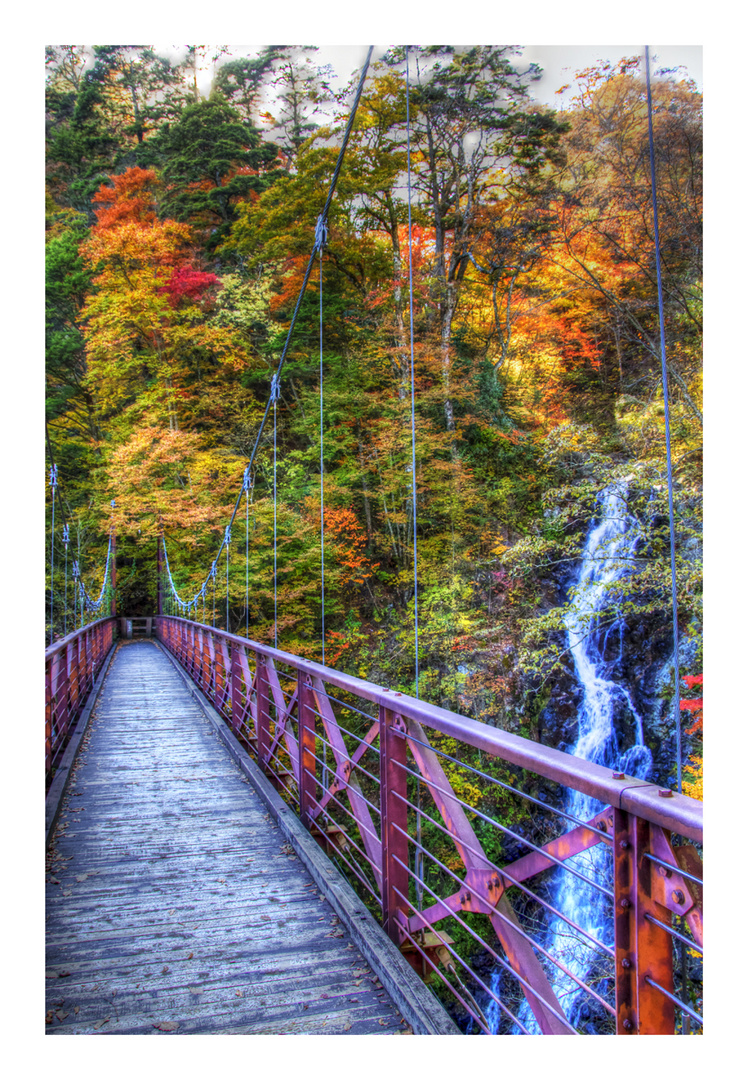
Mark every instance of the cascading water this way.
pixel 607 720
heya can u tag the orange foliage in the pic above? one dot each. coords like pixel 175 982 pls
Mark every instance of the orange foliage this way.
pixel 351 539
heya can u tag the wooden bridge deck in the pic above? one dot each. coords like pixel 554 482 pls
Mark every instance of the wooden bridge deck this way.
pixel 173 902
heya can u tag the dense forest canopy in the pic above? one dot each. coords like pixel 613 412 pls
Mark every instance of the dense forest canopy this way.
pixel 178 229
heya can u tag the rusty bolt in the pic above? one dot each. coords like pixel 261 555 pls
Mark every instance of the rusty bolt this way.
pixel 663 871
pixel 619 776
pixel 677 896
pixel 625 903
pixel 627 1025
pixel 624 844
pixel 626 963
pixel 664 793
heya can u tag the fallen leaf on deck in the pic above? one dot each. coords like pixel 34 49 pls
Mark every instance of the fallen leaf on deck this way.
pixel 100 1023
pixel 167 1025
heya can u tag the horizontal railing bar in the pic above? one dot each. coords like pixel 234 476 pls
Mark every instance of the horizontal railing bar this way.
pixel 51 650
pixel 676 1000
pixel 346 810
pixel 361 739
pixel 445 944
pixel 499 960
pixel 327 791
pixel 508 787
pixel 436 971
pixel 467 971
pixel 674 933
pixel 338 851
pixel 346 705
pixel 349 757
pixel 518 884
pixel 678 813
pixel 528 892
pixel 504 829
pixel 675 869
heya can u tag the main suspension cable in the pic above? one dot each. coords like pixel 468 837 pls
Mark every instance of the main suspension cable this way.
pixel 321 222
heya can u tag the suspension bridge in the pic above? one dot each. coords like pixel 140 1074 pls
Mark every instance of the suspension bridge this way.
pixel 241 840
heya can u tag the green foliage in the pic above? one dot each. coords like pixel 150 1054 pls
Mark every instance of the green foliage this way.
pixel 212 160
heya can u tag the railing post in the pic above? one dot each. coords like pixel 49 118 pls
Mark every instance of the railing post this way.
pixel 394 809
pixel 48 716
pixel 63 689
pixel 159 593
pixel 235 692
pixel 643 950
pixel 262 691
pixel 307 749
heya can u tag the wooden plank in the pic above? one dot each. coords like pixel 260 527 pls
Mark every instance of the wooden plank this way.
pixel 172 896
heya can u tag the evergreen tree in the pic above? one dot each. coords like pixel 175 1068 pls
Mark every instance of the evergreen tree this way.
pixel 214 160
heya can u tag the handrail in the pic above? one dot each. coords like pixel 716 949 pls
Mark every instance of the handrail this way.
pixel 431 841
pixel 679 813
pixel 61 643
pixel 71 666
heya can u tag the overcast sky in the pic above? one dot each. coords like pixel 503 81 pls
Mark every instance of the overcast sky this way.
pixel 559 62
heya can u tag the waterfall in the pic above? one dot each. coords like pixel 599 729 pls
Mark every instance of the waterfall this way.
pixel 594 631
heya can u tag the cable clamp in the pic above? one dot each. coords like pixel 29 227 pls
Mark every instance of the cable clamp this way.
pixel 66 534
pixel 227 538
pixel 248 482
pixel 320 233
pixel 53 476
pixel 274 388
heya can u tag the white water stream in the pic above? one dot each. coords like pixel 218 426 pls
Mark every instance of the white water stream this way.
pixel 594 632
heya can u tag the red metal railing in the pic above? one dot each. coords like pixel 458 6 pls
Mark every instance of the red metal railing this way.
pixel 459 841
pixel 71 667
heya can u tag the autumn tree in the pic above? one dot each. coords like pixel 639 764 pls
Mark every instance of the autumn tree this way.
pixel 605 229
pixel 477 136
pixel 148 343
